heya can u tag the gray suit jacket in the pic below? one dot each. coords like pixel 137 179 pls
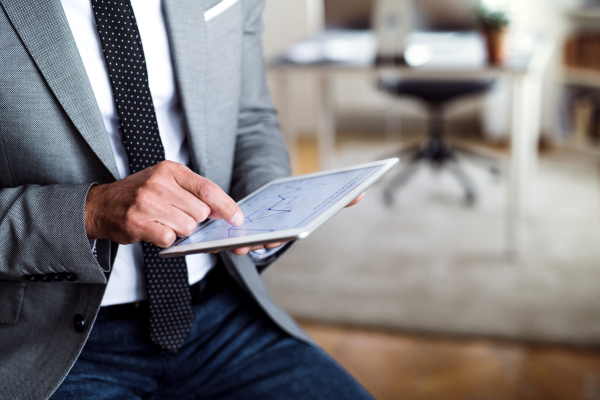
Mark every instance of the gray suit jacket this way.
pixel 53 146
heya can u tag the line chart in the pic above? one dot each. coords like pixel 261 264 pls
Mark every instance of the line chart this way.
pixel 286 198
pixel 284 206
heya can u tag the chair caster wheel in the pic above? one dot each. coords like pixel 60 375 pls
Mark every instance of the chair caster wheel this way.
pixel 388 198
pixel 496 173
pixel 470 199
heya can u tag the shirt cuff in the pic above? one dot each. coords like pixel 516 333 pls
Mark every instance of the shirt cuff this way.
pixel 263 253
pixel 264 257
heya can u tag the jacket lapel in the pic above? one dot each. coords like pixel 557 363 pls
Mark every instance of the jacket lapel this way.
pixel 187 33
pixel 45 32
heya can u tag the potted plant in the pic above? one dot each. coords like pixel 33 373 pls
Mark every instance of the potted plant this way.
pixel 494 25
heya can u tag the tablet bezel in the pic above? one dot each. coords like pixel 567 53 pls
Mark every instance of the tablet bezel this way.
pixel 288 234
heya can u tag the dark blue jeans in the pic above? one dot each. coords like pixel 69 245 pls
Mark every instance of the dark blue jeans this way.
pixel 234 351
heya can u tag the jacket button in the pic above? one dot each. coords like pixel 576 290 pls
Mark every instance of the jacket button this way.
pixel 31 278
pixel 46 278
pixel 79 321
pixel 57 277
pixel 70 277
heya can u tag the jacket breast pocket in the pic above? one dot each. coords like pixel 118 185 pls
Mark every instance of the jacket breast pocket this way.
pixel 224 36
pixel 11 298
pixel 224 17
pixel 219 8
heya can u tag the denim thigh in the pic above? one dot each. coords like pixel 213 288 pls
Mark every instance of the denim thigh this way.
pixel 233 351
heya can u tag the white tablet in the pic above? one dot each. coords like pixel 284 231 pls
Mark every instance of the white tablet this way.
pixel 284 209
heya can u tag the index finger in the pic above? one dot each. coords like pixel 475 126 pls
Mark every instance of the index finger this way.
pixel 211 194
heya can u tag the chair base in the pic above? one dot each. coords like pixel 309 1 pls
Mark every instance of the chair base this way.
pixel 440 154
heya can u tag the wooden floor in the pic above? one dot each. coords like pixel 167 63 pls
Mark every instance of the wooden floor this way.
pixel 395 366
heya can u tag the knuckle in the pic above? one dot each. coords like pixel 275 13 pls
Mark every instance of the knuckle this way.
pixel 188 227
pixel 142 199
pixel 203 215
pixel 205 188
pixel 202 212
pixel 164 165
pixel 165 238
pixel 154 180
pixel 169 167
pixel 160 170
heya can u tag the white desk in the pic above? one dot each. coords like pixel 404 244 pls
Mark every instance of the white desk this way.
pixel 525 69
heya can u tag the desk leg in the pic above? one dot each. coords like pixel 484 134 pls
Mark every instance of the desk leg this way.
pixel 535 90
pixel 326 121
pixel 525 131
pixel 517 151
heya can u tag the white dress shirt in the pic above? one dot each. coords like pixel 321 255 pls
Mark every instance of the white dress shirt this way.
pixel 127 280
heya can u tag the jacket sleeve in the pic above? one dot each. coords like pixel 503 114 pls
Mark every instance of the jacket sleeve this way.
pixel 42 235
pixel 265 257
pixel 260 152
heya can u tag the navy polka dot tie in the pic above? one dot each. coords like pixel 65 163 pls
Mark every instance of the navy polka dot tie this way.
pixel 169 296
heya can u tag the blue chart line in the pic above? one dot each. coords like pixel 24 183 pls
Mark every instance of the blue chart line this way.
pixel 282 200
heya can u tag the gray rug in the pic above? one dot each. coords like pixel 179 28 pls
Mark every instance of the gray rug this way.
pixel 432 265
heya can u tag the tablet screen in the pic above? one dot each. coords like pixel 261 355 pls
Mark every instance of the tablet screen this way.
pixel 285 205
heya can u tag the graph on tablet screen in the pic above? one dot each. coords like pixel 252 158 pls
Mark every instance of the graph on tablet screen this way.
pixel 285 205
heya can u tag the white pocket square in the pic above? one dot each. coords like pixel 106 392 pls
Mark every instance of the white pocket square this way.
pixel 218 9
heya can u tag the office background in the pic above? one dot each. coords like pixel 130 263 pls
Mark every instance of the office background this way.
pixel 424 297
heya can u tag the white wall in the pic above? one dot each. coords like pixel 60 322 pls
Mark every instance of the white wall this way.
pixel 288 21
pixel 548 18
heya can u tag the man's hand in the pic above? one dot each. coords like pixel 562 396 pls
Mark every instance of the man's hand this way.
pixel 156 205
pixel 244 250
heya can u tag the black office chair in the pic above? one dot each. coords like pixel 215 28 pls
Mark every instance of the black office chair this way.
pixel 436 148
